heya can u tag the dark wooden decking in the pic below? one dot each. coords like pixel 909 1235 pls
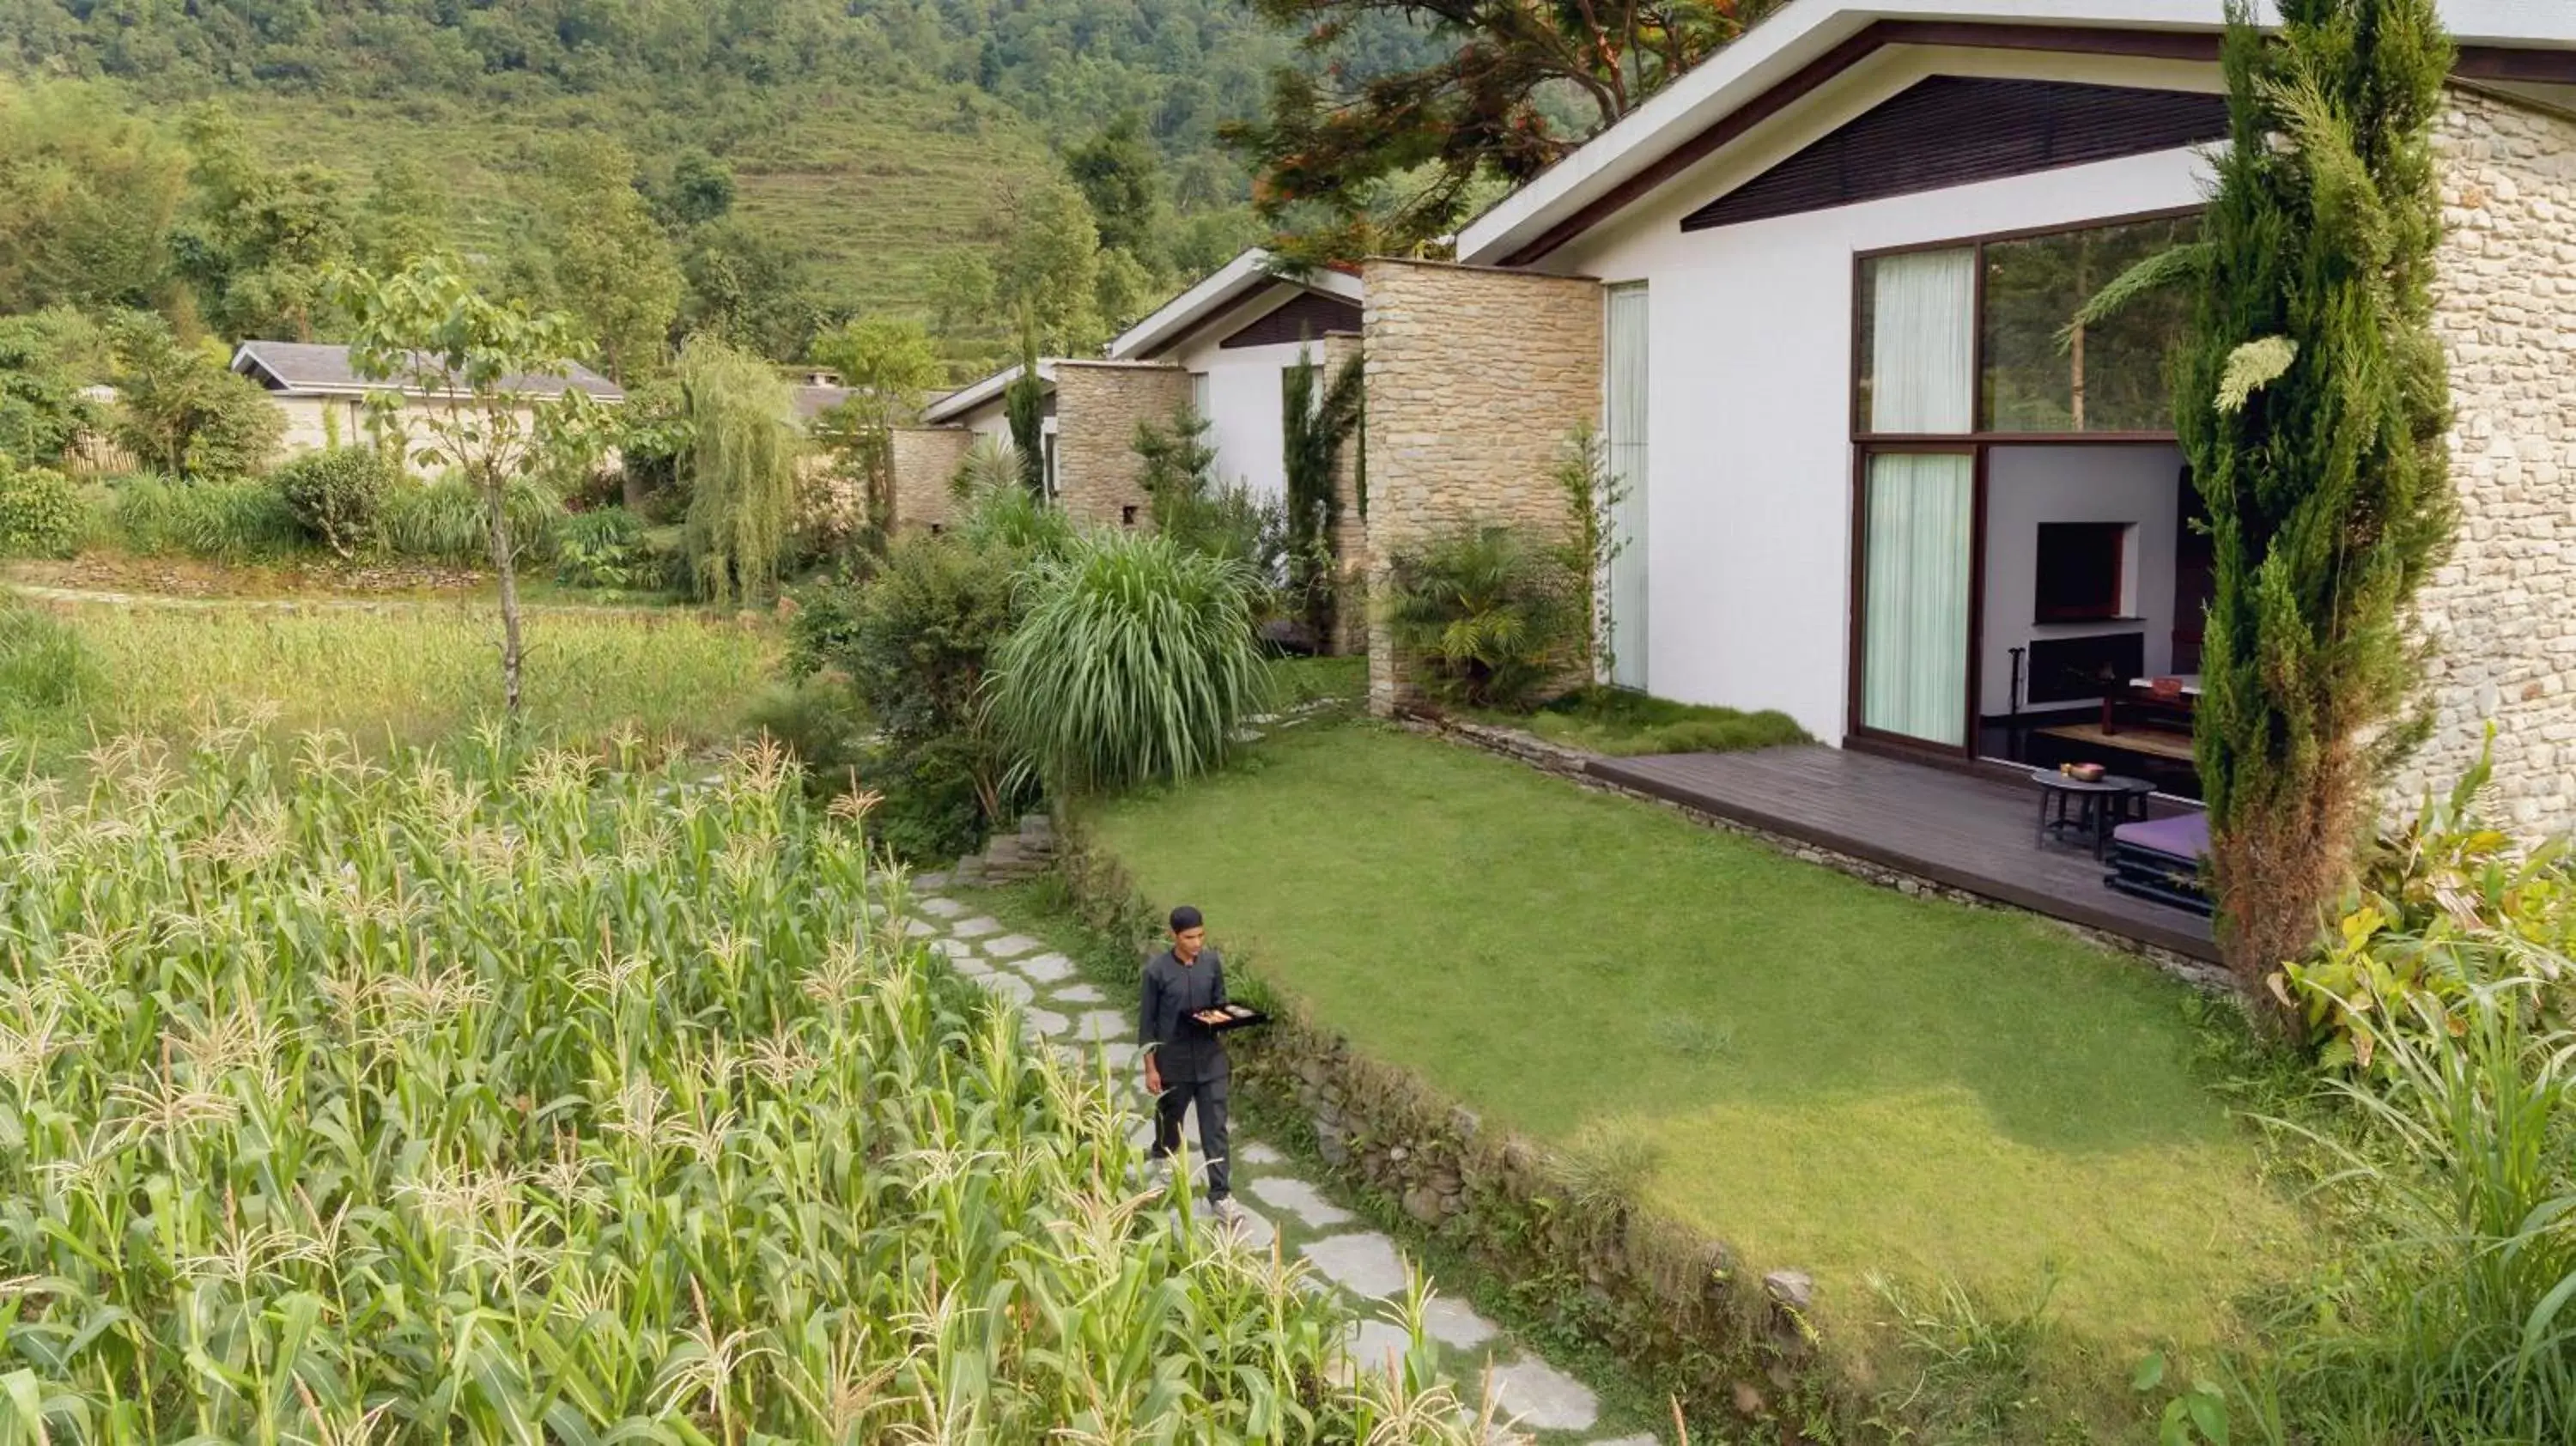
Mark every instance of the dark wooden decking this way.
pixel 1970 832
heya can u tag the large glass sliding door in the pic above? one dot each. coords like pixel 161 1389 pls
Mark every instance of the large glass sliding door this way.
pixel 1917 505
pixel 1624 442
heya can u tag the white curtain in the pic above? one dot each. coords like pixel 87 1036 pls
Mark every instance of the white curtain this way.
pixel 1923 347
pixel 1624 438
pixel 1914 644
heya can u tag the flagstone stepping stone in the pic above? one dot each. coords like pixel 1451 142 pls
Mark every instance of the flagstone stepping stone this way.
pixel 919 929
pixel 1009 945
pixel 1044 968
pixel 1363 1264
pixel 954 948
pixel 970 966
pixel 977 927
pixel 1250 1226
pixel 1455 1323
pixel 1140 1132
pixel 1009 986
pixel 1121 1056
pixel 1374 1345
pixel 1046 1022
pixel 1640 1439
pixel 1535 1394
pixel 1303 1201
pixel 1071 993
pixel 1256 1153
pixel 939 880
pixel 1100 1025
pixel 939 908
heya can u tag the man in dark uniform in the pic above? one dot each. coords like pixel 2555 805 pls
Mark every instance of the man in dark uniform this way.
pixel 1185 1060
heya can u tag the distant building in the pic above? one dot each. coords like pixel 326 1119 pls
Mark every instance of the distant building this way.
pixel 324 399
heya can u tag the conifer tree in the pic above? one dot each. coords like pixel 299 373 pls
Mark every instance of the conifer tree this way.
pixel 1024 408
pixel 2313 403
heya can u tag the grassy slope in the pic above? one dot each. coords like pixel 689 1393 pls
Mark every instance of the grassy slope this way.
pixel 867 187
pixel 413 673
pixel 1839 1077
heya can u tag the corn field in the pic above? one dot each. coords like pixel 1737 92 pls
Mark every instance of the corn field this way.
pixel 523 1095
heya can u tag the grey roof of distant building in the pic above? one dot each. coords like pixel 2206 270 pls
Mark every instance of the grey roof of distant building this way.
pixel 317 369
pixel 812 401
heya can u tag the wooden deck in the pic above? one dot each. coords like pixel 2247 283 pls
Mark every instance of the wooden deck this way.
pixel 1968 831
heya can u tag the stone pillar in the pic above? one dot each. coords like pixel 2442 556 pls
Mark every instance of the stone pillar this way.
pixel 925 462
pixel 1350 528
pixel 1097 407
pixel 2502 611
pixel 1476 377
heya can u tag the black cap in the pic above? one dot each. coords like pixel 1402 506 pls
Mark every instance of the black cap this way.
pixel 1185 919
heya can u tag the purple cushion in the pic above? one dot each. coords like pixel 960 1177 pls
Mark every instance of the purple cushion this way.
pixel 2184 836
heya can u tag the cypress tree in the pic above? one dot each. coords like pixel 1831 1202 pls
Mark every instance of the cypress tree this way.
pixel 1024 408
pixel 2313 402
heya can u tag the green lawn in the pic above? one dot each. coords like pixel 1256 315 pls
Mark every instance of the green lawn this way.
pixel 1622 724
pixel 1839 1077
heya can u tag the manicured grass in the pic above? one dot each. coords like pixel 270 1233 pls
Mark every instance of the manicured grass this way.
pixel 1836 1077
pixel 409 673
pixel 1623 724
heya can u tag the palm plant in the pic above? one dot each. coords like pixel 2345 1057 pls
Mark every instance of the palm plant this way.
pixel 1135 659
pixel 1492 617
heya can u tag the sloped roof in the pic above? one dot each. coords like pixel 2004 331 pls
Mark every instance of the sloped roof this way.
pixel 2502 42
pixel 1245 274
pixel 957 405
pixel 298 368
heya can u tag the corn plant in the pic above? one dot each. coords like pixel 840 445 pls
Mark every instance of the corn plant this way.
pixel 520 1094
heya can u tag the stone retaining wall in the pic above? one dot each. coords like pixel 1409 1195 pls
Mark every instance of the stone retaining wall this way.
pixel 1674 1304
pixel 1476 378
pixel 1097 407
pixel 2502 612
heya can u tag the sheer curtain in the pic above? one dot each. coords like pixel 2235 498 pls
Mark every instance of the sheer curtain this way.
pixel 1923 342
pixel 1920 508
pixel 1624 437
pixel 1914 658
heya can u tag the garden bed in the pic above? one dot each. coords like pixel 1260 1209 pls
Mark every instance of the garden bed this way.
pixel 1823 1075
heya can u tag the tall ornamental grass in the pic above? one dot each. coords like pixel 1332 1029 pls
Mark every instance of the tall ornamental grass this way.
pixel 517 1096
pixel 1135 660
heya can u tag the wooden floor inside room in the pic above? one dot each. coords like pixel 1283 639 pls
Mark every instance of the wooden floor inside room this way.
pixel 1963 830
pixel 2158 742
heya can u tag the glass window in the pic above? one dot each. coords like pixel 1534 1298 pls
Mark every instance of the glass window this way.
pixel 1918 326
pixel 2112 377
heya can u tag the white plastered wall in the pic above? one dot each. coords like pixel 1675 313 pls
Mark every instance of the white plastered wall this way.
pixel 1750 457
pixel 1243 392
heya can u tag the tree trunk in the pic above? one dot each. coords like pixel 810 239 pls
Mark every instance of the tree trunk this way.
pixel 496 517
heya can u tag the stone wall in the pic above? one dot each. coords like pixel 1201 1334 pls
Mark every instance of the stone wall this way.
pixel 1476 377
pixel 2502 612
pixel 925 462
pixel 1350 525
pixel 1098 404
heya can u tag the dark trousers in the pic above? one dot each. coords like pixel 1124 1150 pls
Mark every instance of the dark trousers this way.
pixel 1209 1096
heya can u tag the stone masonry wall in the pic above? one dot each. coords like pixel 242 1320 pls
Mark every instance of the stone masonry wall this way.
pixel 1097 407
pixel 2502 612
pixel 1350 529
pixel 925 462
pixel 1475 379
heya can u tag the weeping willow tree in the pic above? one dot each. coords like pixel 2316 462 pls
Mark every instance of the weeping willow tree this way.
pixel 741 465
pixel 2312 403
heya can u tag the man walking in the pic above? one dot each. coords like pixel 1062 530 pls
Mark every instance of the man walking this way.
pixel 1185 1061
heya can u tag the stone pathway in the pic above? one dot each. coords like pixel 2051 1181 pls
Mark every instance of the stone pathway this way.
pixel 1368 1267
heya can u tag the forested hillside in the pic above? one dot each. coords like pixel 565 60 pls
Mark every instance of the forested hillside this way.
pixel 807 160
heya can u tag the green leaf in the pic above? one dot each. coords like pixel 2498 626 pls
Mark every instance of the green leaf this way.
pixel 2251 368
pixel 2150 1373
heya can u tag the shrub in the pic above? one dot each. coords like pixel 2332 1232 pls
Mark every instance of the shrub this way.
pixel 606 547
pixel 338 496
pixel 40 513
pixel 1622 722
pixel 1190 507
pixel 1136 661
pixel 225 521
pixel 444 520
pixel 1490 617
pixel 1012 519
pixel 916 641
pixel 816 718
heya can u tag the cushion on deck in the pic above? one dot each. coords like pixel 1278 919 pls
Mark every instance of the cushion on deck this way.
pixel 2184 836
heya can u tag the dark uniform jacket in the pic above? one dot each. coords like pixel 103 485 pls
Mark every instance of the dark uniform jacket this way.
pixel 1184 1049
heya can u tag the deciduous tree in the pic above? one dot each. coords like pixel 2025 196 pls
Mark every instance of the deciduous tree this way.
pixel 181 409
pixel 741 469
pixel 887 364
pixel 460 354
pixel 610 264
